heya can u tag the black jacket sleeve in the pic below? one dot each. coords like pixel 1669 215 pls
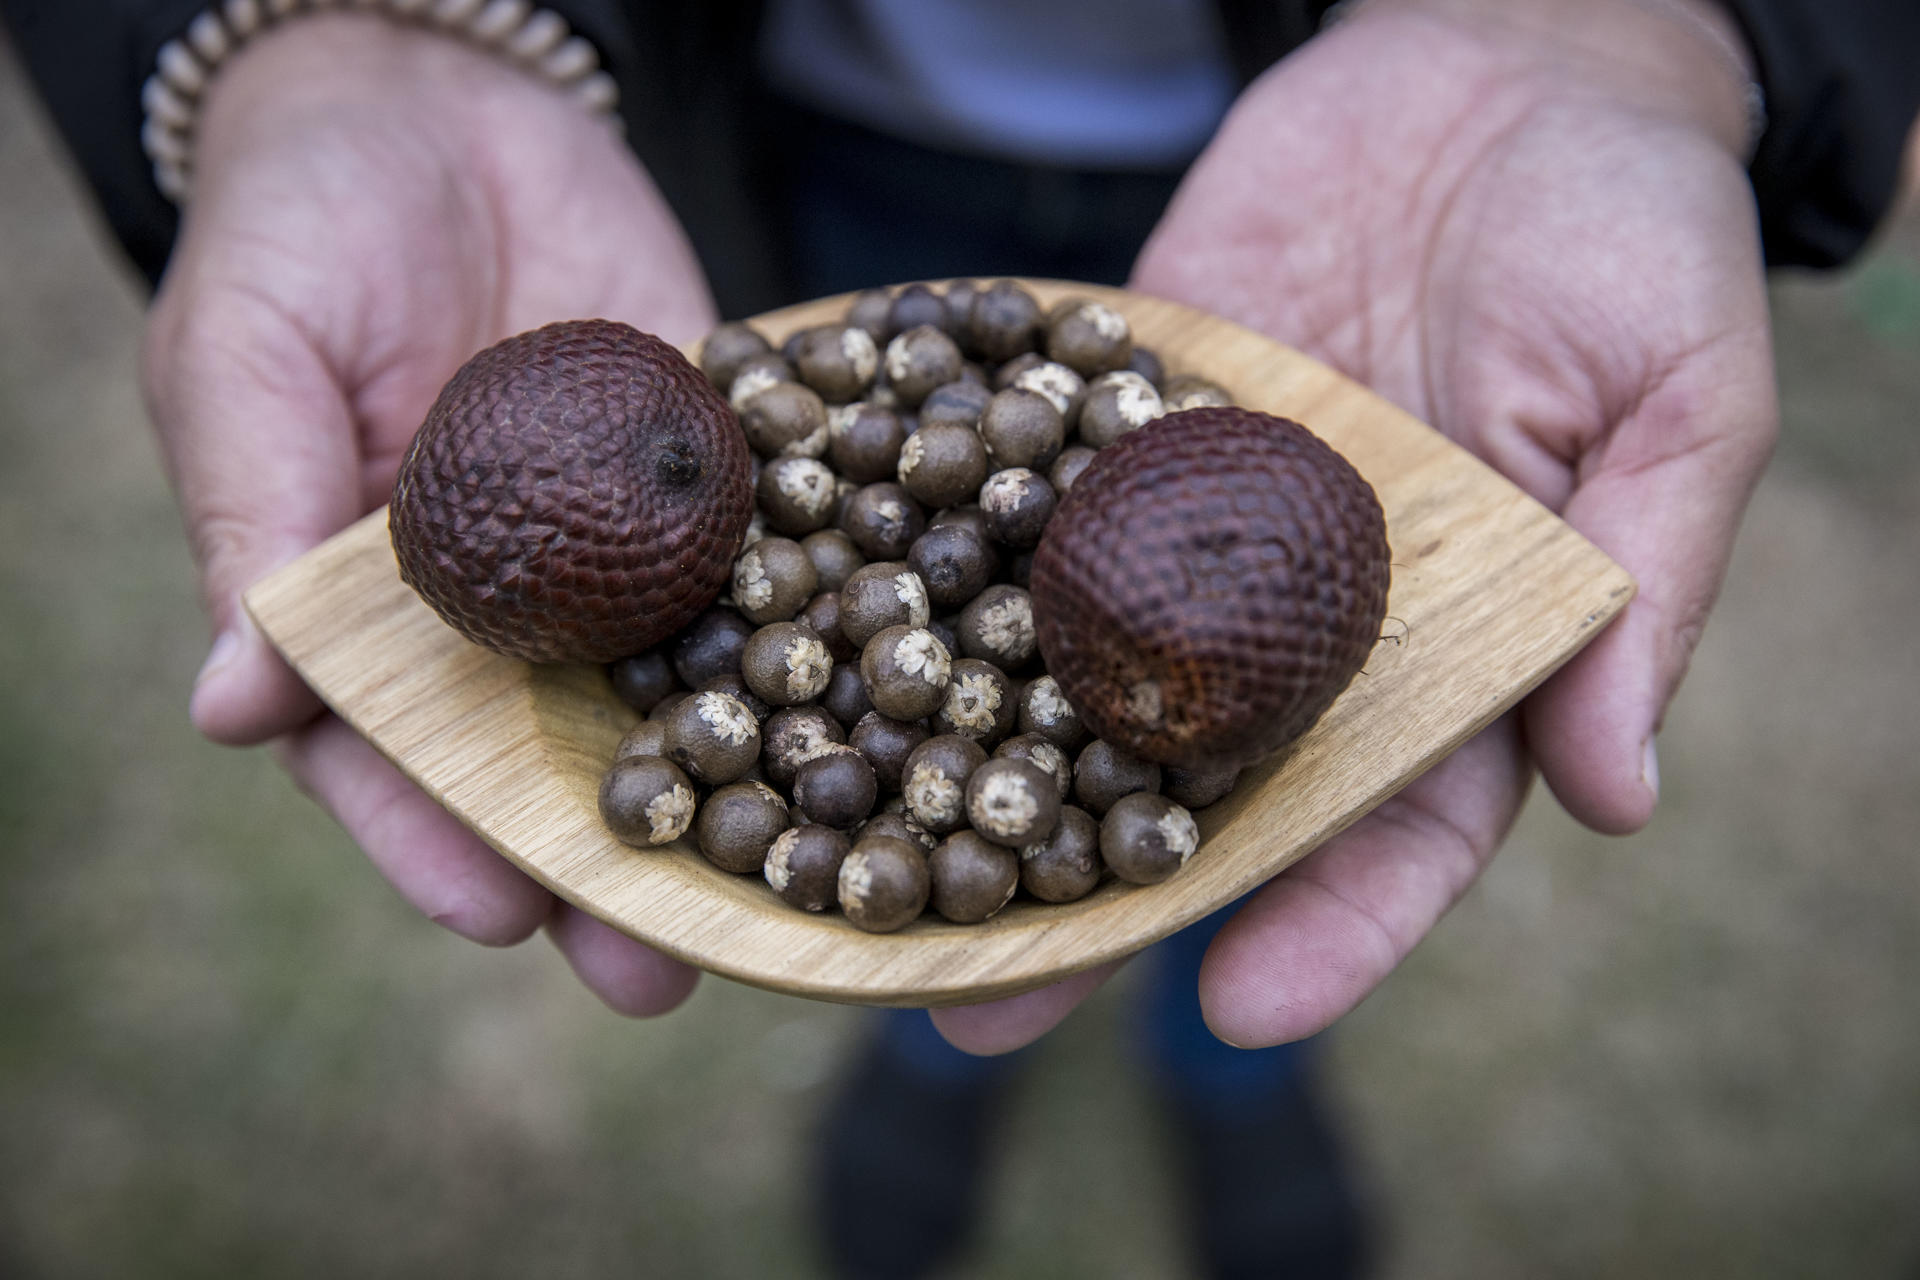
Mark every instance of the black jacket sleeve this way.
pixel 1842 79
pixel 88 59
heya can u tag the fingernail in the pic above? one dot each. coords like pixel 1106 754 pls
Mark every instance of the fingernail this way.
pixel 225 647
pixel 1650 768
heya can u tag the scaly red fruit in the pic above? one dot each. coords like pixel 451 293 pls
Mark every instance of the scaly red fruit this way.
pixel 1209 586
pixel 576 494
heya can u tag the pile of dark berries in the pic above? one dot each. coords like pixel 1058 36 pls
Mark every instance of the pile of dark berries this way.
pixel 865 720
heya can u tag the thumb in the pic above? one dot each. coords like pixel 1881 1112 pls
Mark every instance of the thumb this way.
pixel 1663 495
pixel 260 445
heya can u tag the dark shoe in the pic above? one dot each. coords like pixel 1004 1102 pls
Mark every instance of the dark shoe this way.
pixel 1270 1192
pixel 901 1156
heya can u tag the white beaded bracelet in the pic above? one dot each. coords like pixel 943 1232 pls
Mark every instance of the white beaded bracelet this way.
pixel 537 40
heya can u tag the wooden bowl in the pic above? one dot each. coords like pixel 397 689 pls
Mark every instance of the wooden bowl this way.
pixel 1490 593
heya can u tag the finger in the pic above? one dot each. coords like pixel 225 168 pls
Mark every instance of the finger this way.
pixel 1663 495
pixel 424 852
pixel 1001 1026
pixel 1324 933
pixel 261 449
pixel 630 977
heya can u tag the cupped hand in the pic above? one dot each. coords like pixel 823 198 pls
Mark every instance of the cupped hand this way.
pixel 1529 226
pixel 373 204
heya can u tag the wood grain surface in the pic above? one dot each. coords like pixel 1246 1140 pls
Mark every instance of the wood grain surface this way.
pixel 1491 592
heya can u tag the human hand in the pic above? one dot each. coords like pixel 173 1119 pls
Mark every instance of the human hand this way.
pixel 372 205
pixel 1528 225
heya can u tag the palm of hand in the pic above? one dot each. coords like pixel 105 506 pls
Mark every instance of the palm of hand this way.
pixel 1567 285
pixel 383 299
pixel 342 258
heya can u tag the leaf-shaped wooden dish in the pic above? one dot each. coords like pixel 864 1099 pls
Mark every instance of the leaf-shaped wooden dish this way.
pixel 1491 592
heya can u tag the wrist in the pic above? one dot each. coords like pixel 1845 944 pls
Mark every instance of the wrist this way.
pixel 230 80
pixel 1685 60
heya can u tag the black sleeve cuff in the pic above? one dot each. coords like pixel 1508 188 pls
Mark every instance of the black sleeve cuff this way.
pixel 1842 79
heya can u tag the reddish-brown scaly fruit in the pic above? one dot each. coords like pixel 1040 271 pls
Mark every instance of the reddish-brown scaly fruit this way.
pixel 576 494
pixel 1210 585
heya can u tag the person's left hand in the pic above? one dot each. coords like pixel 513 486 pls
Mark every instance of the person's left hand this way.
pixel 1530 227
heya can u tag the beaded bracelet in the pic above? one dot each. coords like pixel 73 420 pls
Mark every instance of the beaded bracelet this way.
pixel 537 40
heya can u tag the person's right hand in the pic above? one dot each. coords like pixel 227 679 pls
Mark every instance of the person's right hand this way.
pixel 372 204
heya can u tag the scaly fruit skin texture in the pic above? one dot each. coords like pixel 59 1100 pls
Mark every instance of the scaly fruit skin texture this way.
pixel 1210 585
pixel 576 494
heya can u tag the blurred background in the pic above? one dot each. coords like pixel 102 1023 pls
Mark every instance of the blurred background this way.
pixel 226 1048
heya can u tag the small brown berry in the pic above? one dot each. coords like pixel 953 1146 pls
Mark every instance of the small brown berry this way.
pixel 1012 802
pixel 1089 338
pixel 934 782
pixel 795 495
pixel 772 579
pixel 943 463
pixel 665 707
pixel 646 801
pixel 794 735
pixel 997 626
pixel 836 788
pixel 1045 711
pixel 1017 504
pixel 846 697
pixel 1050 759
pixel 803 866
pixel 727 348
pixel 785 420
pixel 1116 404
pixel 960 402
pixel 834 557
pixel 737 825
pixel 971 877
pixel 648 738
pixel 786 664
pixel 869 311
pixel 643 679
pixel 754 375
pixel 1066 865
pixel 1064 388
pixel 1145 838
pixel 1022 429
pixel 735 685
pixel 878 596
pixel 917 305
pixel 919 360
pixel 980 703
pixel 713 736
pixel 1148 365
pixel 886 743
pixel 907 672
pixel 955 561
pixel 1191 391
pixel 711 646
pixel 838 361
pixel 1197 788
pixel 883 884
pixel 863 441
pixel 1003 321
pixel 899 824
pixel 822 613
pixel 883 520
pixel 1068 467
pixel 1104 773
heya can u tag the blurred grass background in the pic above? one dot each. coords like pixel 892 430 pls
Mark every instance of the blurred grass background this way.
pixel 227 1049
